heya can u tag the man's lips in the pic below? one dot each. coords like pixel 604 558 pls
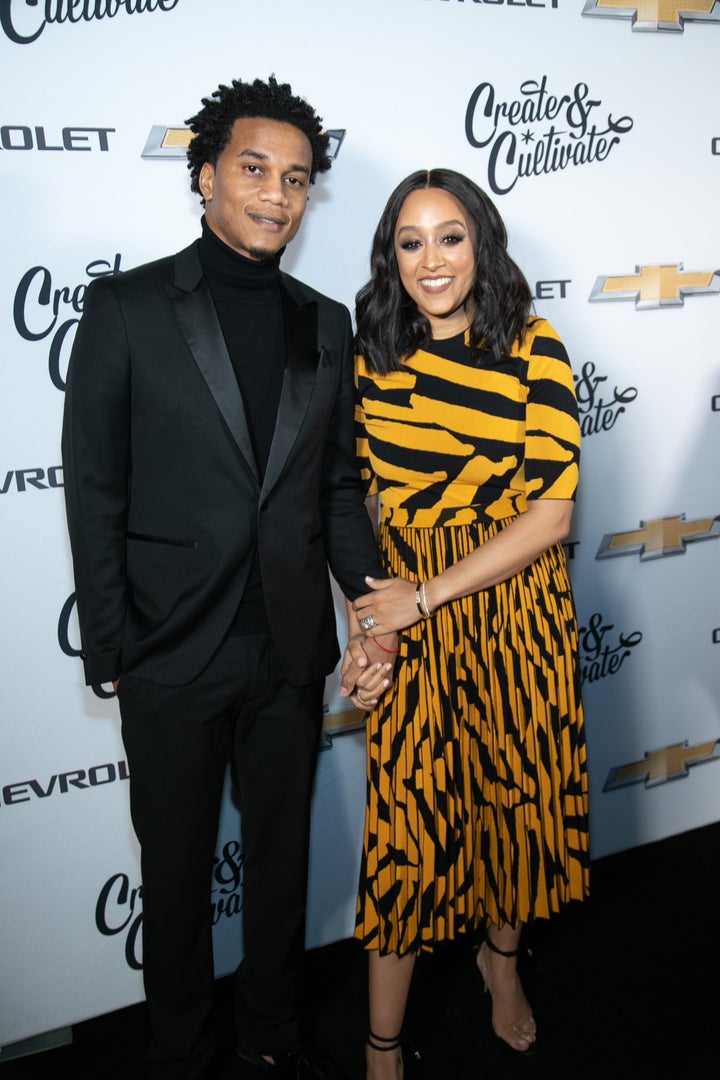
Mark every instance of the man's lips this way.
pixel 267 222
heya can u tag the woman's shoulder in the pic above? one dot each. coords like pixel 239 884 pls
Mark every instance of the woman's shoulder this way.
pixel 539 327
pixel 541 339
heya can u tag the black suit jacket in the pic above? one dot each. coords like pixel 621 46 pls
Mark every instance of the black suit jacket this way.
pixel 163 499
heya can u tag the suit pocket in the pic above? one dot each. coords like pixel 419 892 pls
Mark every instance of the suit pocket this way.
pixel 171 541
pixel 162 572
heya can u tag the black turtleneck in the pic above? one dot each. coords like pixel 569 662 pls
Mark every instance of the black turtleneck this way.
pixel 247 300
pixel 249 307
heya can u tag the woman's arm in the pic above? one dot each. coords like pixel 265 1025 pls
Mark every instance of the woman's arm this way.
pixel 393 605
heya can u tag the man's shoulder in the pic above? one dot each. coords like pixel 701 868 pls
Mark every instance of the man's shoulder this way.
pixel 156 272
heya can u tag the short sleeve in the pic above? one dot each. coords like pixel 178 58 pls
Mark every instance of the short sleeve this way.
pixel 552 431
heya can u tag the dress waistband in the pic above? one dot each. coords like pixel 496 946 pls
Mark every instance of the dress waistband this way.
pixel 447 516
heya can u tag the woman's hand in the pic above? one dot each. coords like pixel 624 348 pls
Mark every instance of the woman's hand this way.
pixel 371 686
pixel 391 605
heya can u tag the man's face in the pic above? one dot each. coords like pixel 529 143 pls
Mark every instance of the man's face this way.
pixel 256 194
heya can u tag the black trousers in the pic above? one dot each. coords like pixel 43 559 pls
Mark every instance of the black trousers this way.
pixel 178 742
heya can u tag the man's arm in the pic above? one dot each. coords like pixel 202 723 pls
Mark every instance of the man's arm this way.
pixel 349 537
pixel 95 450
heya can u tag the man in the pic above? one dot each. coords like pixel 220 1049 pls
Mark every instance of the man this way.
pixel 210 476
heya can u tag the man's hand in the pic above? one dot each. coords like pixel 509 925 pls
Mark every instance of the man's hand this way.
pixel 367 669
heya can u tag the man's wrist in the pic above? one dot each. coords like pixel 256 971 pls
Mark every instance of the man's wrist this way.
pixel 387 643
pixel 384 648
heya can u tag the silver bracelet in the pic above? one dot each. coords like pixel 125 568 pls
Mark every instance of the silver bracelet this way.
pixel 423 596
pixel 418 601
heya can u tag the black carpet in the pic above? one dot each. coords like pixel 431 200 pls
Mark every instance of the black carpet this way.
pixel 623 986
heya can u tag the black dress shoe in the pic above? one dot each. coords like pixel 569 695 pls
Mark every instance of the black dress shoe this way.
pixel 284 1067
pixel 293 1065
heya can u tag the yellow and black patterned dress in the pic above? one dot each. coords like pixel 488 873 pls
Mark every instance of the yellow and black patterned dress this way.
pixel 477 784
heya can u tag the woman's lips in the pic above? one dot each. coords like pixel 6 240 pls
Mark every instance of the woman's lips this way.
pixel 435 285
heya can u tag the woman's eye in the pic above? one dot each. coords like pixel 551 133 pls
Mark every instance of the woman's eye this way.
pixel 410 245
pixel 453 238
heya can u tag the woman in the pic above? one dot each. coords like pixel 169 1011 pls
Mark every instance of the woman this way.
pixel 477 786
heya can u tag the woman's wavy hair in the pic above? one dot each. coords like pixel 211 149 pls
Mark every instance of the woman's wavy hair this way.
pixel 212 125
pixel 389 326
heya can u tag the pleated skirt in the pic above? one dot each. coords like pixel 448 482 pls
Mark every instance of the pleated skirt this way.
pixel 477 792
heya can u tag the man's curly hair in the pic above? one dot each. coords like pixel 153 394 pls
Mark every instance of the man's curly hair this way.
pixel 271 100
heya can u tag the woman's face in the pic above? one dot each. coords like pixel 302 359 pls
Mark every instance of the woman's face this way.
pixel 435 251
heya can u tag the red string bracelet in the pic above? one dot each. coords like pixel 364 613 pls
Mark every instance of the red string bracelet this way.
pixel 383 647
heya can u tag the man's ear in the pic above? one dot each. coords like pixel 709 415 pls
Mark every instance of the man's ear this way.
pixel 206 180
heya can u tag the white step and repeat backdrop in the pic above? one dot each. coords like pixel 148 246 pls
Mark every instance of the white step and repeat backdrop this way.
pixel 595 126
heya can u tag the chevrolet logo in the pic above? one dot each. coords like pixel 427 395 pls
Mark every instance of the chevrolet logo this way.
pixel 656 286
pixel 656 14
pixel 662 536
pixel 167 142
pixel 660 766
pixel 172 142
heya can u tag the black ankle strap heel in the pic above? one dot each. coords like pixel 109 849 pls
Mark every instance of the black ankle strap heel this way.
pixel 398 1042
pixel 379 1042
pixel 500 952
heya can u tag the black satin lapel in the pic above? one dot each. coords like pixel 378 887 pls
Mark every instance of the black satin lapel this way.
pixel 196 316
pixel 300 325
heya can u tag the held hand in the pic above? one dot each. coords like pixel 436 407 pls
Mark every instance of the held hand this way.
pixel 391 605
pixel 370 663
pixel 355 661
pixel 373 683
